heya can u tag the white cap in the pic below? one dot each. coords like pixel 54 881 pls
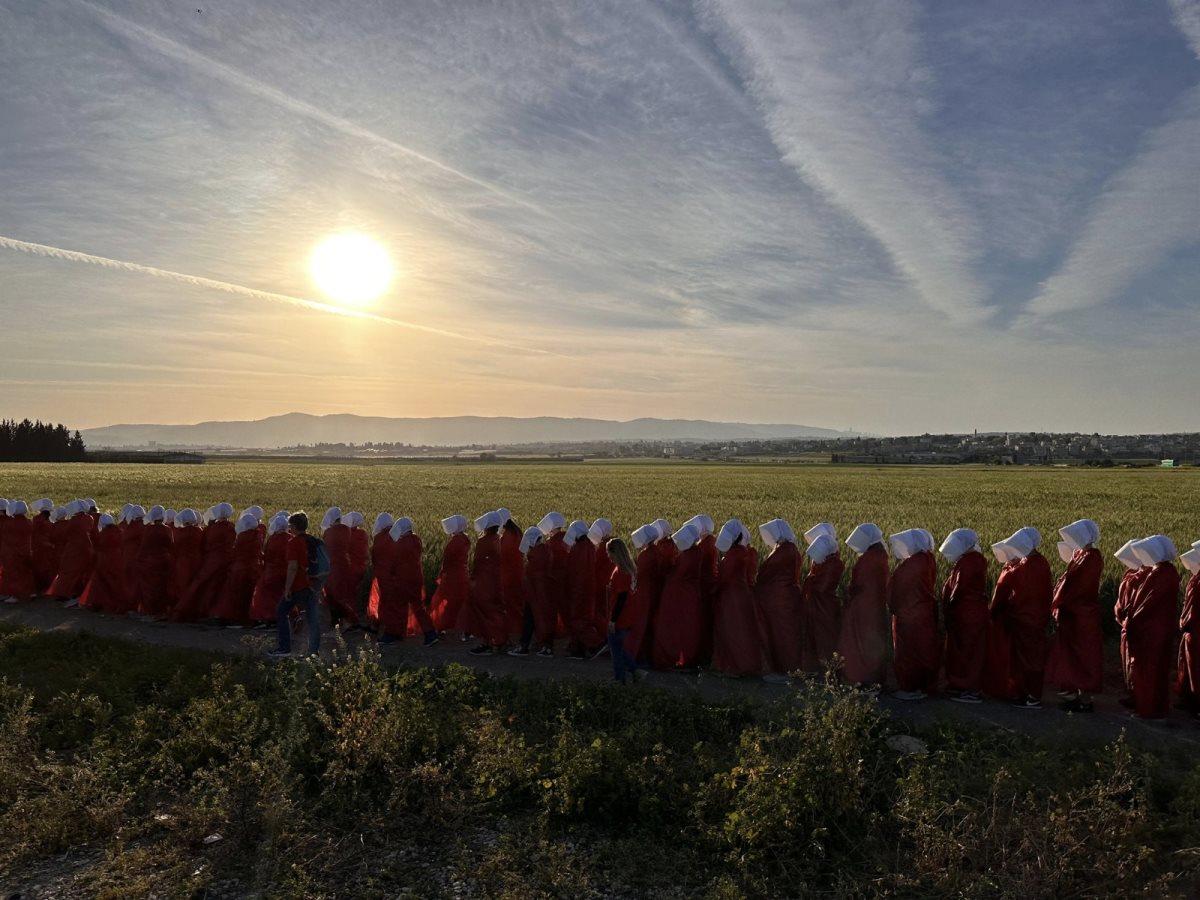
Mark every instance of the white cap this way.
pixel 552 521
pixel 223 511
pixel 455 525
pixel 531 538
pixel 125 509
pixel 1080 534
pixel 58 513
pixel 600 531
pixel 1024 541
pixel 731 531
pixel 1157 548
pixel 1127 557
pixel 704 524
pixel 3 505
pixel 156 514
pixel 1005 553
pixel 1196 545
pixel 864 537
pixel 1065 551
pixel 256 511
pixel 819 529
pixel 169 515
pixel 664 528
pixel 822 547
pixel 647 534
pixel 91 504
pixel 17 508
pixel 1191 560
pixel 400 528
pixel 505 514
pixel 43 505
pixel 488 520
pixel 383 522
pixel 958 542
pixel 245 523
pixel 105 521
pixel 187 516
pixel 775 532
pixel 332 515
pixel 353 519
pixel 576 530
pixel 74 508
pixel 685 538
pixel 906 543
pixel 277 524
pixel 136 513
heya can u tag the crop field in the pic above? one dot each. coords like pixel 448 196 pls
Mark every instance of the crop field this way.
pixel 994 501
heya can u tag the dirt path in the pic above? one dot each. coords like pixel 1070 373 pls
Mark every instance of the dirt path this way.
pixel 1105 724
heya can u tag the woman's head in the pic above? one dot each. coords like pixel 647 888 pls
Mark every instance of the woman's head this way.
pixel 619 554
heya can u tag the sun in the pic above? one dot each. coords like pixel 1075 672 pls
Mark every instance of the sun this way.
pixel 352 269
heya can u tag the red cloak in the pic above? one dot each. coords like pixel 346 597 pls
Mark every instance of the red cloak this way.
pixel 272 579
pixel 339 588
pixel 1128 587
pixel 965 612
pixel 453 583
pixel 407 580
pixel 777 598
pixel 1077 655
pixel 187 556
pixel 382 550
pixel 512 577
pixel 864 640
pixel 737 645
pixel 45 559
pixel 679 626
pixel 1020 611
pixel 486 600
pixel 105 591
pixel 820 613
pixel 203 594
pixel 912 599
pixel 1150 628
pixel 581 596
pixel 131 540
pixel 602 611
pixel 151 574
pixel 538 564
pixel 16 559
pixel 557 582
pixel 78 556
pixel 648 594
pixel 245 566
pixel 1188 678
pixel 360 553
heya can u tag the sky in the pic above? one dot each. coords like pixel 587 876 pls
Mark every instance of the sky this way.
pixel 894 217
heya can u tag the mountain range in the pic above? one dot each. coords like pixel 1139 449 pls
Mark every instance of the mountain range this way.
pixel 300 429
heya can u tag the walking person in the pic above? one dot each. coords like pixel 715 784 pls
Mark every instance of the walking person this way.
pixel 820 608
pixel 1188 676
pixel 1021 605
pixel 912 600
pixel 298 589
pixel 1151 627
pixel 777 599
pixel 1076 662
pixel 623 598
pixel 965 612
pixel 737 644
pixel 864 639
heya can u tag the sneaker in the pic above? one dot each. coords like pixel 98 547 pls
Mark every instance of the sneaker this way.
pixel 432 638
pixel 966 697
pixel 71 604
pixel 1027 703
pixel 263 626
pixel 10 599
pixel 546 652
pixel 483 650
pixel 519 651
pixel 910 696
pixel 279 654
pixel 1065 695
pixel 1076 704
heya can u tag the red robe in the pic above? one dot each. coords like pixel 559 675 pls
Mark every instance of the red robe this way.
pixel 1077 654
pixel 203 595
pixel 1150 627
pixel 965 612
pixel 78 556
pixel 187 555
pixel 45 560
pixel 1020 610
pixel 454 583
pixel 557 582
pixel 272 579
pixel 382 549
pixel 665 554
pixel 1128 587
pixel 16 559
pixel 486 599
pixel 407 579
pixel 602 611
pixel 60 536
pixel 151 577
pixel 537 586
pixel 339 588
pixel 679 626
pixel 777 598
pixel 648 593
pixel 820 613
pixel 581 595
pixel 238 592
pixel 737 645
pixel 864 640
pixel 912 598
pixel 105 590
pixel 360 554
pixel 131 540
pixel 1188 678
pixel 512 577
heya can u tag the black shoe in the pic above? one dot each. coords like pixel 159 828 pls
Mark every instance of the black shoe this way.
pixel 519 651
pixel 484 650
pixel 1027 703
pixel 546 651
pixel 1076 704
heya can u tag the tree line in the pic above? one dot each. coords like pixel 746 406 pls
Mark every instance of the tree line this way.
pixel 27 441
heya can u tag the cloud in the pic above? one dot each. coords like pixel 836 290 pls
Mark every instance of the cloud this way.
pixel 1186 15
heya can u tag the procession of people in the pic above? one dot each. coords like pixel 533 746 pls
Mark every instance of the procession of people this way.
pixel 678 599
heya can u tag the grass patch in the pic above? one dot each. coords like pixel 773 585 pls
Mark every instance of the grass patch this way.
pixel 345 780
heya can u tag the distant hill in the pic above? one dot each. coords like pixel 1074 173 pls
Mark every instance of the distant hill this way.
pixel 455 431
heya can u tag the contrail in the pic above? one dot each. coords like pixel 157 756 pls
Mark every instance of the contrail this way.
pixel 237 78
pixel 121 265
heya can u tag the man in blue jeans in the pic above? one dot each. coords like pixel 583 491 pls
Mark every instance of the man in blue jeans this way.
pixel 297 591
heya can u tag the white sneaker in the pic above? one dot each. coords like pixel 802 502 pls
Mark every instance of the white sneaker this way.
pixel 10 599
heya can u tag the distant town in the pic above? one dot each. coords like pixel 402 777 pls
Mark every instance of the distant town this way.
pixel 993 448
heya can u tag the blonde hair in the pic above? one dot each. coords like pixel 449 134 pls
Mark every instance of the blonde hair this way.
pixel 619 554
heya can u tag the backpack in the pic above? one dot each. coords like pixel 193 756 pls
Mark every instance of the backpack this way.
pixel 318 561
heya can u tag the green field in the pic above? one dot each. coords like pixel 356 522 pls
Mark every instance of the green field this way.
pixel 994 501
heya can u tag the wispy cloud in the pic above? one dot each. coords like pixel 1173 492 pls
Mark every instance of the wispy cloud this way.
pixel 1186 14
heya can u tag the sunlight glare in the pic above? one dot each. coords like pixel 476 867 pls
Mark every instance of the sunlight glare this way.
pixel 352 269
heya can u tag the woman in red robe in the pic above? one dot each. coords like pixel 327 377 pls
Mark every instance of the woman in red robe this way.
pixel 737 645
pixel 402 605
pixel 105 591
pixel 339 588
pixel 204 592
pixel 1150 627
pixel 233 609
pixel 1076 663
pixel 820 608
pixel 777 599
pixel 512 573
pixel 273 577
pixel 679 625
pixel 454 578
pixel 665 553
pixel 912 599
pixel 1188 677
pixel 648 589
pixel 359 548
pixel 151 584
pixel 965 612
pixel 382 547
pixel 486 598
pixel 1021 605
pixel 187 555
pixel 131 539
pixel 1134 574
pixel 864 639
pixel 536 585
pixel 17 579
pixel 552 526
pixel 78 555
pixel 45 562
pixel 599 534
pixel 581 592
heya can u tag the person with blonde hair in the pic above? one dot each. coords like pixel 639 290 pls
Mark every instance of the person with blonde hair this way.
pixel 624 601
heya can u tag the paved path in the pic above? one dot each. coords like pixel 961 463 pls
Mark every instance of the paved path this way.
pixel 1050 723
